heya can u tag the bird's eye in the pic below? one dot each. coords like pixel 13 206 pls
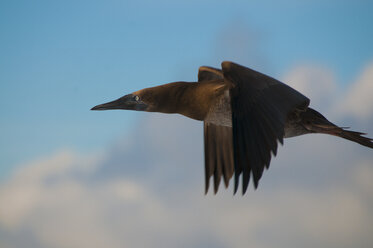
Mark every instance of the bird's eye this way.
pixel 137 98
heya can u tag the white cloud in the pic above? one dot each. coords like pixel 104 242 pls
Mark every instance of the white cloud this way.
pixel 63 202
pixel 338 102
pixel 316 82
pixel 358 100
pixel 363 175
pixel 27 186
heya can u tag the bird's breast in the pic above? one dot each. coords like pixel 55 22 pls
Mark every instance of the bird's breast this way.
pixel 220 112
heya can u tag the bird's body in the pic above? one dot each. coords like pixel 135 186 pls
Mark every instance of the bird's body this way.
pixel 245 114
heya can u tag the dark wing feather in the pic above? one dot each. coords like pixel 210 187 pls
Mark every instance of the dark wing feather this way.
pixel 260 106
pixel 218 154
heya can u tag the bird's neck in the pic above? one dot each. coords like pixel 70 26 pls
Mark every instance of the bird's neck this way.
pixel 189 99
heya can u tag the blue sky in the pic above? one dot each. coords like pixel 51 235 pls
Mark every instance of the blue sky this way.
pixel 60 58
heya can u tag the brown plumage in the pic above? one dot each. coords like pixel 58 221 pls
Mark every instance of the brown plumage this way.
pixel 245 114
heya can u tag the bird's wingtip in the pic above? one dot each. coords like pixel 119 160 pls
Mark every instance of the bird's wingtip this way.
pixel 226 65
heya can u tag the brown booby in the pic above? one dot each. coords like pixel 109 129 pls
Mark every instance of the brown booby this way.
pixel 245 115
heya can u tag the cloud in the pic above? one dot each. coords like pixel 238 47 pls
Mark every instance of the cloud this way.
pixel 316 82
pixel 358 100
pixel 64 201
pixel 351 103
pixel 124 213
pixel 28 185
pixel 146 190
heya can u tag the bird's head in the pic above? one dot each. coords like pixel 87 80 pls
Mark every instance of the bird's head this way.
pixel 163 98
pixel 129 102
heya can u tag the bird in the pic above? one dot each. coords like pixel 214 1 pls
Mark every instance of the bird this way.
pixel 246 114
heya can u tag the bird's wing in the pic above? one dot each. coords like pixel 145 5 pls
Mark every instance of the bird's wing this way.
pixel 218 154
pixel 217 137
pixel 206 73
pixel 260 106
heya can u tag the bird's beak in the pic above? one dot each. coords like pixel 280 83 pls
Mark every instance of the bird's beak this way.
pixel 128 102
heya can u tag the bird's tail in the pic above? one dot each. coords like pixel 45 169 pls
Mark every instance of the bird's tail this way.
pixel 317 123
pixel 330 128
pixel 354 136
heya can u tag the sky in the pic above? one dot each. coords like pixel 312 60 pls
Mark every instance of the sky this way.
pixel 70 177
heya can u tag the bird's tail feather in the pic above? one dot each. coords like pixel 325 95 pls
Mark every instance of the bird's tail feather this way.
pixel 317 123
pixel 355 137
